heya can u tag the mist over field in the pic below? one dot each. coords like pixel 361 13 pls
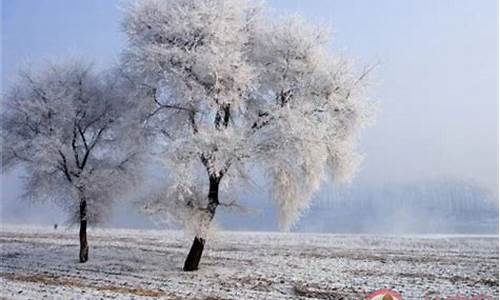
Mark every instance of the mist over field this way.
pixel 239 149
pixel 447 206
pixel 435 85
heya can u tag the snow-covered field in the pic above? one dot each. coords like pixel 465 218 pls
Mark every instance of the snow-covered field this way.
pixel 38 263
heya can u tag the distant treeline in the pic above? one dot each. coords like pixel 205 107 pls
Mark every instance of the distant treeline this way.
pixel 446 206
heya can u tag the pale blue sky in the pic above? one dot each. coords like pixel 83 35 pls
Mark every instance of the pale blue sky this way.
pixel 436 82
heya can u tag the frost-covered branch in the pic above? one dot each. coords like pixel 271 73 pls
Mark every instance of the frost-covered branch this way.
pixel 66 125
pixel 233 91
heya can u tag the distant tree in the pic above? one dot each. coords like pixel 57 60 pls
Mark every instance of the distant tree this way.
pixel 64 124
pixel 229 91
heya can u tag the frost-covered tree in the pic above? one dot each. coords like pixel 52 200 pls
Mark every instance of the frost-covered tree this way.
pixel 63 123
pixel 229 91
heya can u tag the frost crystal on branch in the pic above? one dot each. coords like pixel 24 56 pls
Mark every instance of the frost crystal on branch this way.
pixel 228 90
pixel 65 125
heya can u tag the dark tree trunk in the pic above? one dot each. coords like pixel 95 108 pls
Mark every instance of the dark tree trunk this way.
pixel 194 256
pixel 84 247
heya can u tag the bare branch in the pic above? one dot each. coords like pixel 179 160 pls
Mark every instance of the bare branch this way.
pixel 64 166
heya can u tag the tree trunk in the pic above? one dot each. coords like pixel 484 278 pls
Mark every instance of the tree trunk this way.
pixel 84 247
pixel 194 256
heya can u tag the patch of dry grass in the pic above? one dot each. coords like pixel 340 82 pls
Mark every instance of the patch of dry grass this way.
pixel 54 280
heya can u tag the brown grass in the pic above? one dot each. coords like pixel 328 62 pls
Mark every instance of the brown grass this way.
pixel 53 280
pixel 308 291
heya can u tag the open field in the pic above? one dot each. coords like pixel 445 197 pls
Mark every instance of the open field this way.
pixel 41 263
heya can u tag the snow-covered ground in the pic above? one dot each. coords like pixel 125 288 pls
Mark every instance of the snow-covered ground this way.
pixel 40 262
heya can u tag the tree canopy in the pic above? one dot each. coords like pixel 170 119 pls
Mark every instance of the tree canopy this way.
pixel 229 89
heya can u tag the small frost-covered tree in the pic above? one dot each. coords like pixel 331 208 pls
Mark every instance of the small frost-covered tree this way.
pixel 229 91
pixel 63 123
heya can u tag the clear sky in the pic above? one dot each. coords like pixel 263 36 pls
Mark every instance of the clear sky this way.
pixel 436 81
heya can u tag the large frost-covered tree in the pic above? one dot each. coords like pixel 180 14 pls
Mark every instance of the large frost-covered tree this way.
pixel 228 91
pixel 63 123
